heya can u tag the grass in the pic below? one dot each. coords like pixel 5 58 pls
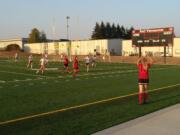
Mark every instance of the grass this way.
pixel 23 93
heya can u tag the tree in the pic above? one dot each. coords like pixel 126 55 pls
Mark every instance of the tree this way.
pixel 102 31
pixel 43 37
pixel 129 33
pixel 34 36
pixel 96 32
pixel 119 32
pixel 108 30
pixel 113 31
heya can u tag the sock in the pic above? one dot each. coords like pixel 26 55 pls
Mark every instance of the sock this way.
pixel 145 97
pixel 140 98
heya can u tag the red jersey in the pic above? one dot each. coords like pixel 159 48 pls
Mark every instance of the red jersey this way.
pixel 75 63
pixel 66 61
pixel 143 73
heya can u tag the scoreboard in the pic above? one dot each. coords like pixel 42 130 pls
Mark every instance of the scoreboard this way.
pixel 153 37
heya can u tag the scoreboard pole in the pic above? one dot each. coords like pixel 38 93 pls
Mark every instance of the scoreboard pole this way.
pixel 164 54
pixel 139 50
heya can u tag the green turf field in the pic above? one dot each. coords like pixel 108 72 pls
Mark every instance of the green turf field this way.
pixel 57 104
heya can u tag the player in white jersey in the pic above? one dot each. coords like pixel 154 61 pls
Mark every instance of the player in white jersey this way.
pixel 42 65
pixel 30 61
pixel 93 61
pixel 87 62
pixel 16 57
pixel 46 58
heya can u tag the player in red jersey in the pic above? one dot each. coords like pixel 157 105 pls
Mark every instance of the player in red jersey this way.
pixel 75 66
pixel 66 64
pixel 143 63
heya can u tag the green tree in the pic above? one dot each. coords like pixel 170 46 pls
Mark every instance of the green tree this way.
pixel 108 30
pixel 113 31
pixel 118 31
pixel 34 36
pixel 102 30
pixel 129 33
pixel 43 37
pixel 96 32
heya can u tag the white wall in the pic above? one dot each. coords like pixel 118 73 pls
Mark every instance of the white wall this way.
pixel 5 43
pixel 115 45
pixel 176 49
pixel 77 47
pixel 128 49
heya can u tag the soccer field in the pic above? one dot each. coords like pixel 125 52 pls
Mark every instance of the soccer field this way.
pixel 55 103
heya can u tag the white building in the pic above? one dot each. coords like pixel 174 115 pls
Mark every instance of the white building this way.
pixel 128 49
pixel 8 42
pixel 104 46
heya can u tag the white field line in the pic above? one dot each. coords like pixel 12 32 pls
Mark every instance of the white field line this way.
pixel 24 74
pixel 61 77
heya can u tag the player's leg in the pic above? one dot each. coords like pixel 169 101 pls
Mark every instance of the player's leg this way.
pixel 28 65
pixel 140 96
pixel 68 69
pixel 87 66
pixel 42 69
pixel 145 93
pixel 31 64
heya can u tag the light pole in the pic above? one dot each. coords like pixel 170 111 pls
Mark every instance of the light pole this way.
pixel 69 44
pixel 67 18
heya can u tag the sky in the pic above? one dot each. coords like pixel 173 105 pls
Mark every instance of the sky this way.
pixel 19 17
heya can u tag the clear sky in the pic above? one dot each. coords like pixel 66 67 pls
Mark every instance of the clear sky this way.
pixel 18 17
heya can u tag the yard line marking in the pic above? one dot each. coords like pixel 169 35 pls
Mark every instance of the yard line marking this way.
pixel 47 69
pixel 24 74
pixel 16 80
pixel 2 81
pixel 43 82
pixel 31 84
pixel 81 106
pixel 16 85
pixel 82 75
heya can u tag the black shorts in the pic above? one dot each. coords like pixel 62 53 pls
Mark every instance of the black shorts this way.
pixel 87 64
pixel 143 81
pixel 65 65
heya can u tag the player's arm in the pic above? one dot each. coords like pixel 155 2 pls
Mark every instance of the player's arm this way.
pixel 150 60
pixel 138 61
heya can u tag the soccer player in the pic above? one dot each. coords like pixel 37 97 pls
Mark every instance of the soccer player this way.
pixel 16 57
pixel 75 66
pixel 66 64
pixel 87 61
pixel 42 65
pixel 30 61
pixel 143 63
pixel 46 58
pixel 93 61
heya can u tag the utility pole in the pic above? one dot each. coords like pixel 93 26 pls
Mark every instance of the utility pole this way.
pixel 69 42
pixel 67 18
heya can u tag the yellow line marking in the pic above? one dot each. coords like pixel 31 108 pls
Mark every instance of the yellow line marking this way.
pixel 80 106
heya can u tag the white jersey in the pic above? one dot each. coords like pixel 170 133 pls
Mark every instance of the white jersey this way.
pixel 42 61
pixel 30 58
pixel 87 59
pixel 16 56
